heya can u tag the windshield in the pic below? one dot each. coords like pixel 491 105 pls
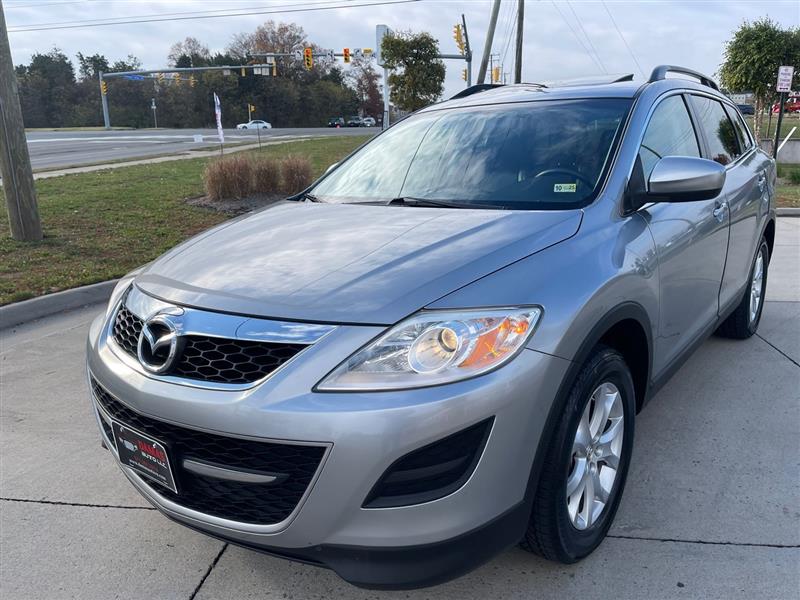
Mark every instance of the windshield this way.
pixel 533 155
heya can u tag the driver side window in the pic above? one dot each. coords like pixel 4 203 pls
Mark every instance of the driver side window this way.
pixel 669 133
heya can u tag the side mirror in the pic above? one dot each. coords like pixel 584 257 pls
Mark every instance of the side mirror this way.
pixel 331 167
pixel 685 179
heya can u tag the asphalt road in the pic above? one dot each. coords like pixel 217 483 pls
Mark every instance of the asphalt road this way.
pixel 58 149
pixel 711 509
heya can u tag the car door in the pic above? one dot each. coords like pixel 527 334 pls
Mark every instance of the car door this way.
pixel 748 194
pixel 691 238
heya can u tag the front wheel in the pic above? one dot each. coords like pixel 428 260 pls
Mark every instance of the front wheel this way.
pixel 743 322
pixel 587 462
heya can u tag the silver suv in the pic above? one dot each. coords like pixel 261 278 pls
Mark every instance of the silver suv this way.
pixel 439 349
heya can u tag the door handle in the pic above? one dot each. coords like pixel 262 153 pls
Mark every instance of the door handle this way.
pixel 762 181
pixel 719 211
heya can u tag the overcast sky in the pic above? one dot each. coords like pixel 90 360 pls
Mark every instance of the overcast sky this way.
pixel 562 39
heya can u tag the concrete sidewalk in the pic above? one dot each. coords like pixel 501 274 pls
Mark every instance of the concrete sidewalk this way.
pixel 711 508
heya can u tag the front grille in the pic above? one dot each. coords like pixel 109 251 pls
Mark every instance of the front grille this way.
pixel 205 358
pixel 257 503
pixel 433 471
pixel 127 327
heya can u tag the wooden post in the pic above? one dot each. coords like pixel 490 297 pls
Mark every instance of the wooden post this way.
pixel 15 163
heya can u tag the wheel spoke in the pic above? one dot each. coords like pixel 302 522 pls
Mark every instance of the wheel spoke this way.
pixel 600 492
pixel 604 400
pixel 588 500
pixel 577 476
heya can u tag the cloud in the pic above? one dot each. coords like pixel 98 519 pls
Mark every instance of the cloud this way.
pixel 689 33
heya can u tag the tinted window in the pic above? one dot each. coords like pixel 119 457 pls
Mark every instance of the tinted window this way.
pixel 723 145
pixel 740 127
pixel 544 154
pixel 669 133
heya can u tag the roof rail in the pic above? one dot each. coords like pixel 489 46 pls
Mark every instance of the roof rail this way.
pixel 474 89
pixel 660 72
pixel 591 80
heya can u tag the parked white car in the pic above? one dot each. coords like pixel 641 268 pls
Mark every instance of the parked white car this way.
pixel 255 124
pixel 368 122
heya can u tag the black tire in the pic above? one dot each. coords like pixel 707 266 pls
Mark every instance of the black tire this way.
pixel 738 325
pixel 550 532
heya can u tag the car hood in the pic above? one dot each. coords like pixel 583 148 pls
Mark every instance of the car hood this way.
pixel 347 263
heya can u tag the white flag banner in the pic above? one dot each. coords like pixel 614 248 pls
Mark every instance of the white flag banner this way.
pixel 218 113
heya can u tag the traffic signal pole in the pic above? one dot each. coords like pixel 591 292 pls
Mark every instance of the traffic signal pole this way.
pixel 487 47
pixel 104 100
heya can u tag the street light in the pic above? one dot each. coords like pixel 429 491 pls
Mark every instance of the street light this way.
pixel 155 117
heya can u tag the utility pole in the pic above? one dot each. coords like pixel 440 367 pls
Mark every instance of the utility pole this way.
pixel 155 117
pixel 487 47
pixel 15 162
pixel 520 28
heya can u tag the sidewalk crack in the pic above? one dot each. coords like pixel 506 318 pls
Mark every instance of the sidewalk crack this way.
pixel 781 352
pixel 208 571
pixel 84 505
pixel 702 542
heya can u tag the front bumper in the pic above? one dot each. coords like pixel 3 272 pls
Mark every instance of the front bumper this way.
pixel 364 433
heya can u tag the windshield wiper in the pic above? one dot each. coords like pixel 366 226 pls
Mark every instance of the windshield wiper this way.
pixel 310 197
pixel 411 201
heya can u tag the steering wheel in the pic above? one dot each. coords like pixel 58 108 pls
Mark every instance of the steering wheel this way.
pixel 570 172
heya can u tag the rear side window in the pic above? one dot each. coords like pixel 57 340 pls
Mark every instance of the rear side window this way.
pixel 739 126
pixel 723 143
pixel 669 133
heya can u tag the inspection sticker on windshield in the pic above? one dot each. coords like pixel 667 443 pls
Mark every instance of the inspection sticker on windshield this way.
pixel 564 187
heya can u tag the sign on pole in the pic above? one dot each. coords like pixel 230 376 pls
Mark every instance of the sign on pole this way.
pixel 218 113
pixel 785 74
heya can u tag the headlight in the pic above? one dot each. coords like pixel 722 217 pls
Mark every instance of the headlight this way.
pixel 435 347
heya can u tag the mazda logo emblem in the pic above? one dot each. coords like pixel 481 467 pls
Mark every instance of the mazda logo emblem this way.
pixel 159 341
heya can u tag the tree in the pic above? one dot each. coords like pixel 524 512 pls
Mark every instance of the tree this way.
pixel 90 66
pixel 198 54
pixel 364 80
pixel 752 58
pixel 417 79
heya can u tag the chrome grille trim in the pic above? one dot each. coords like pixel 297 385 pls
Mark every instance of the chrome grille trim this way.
pixel 196 322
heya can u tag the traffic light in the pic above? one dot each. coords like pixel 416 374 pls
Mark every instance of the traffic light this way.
pixel 177 78
pixel 103 88
pixel 496 75
pixel 244 72
pixel 458 36
pixel 160 77
pixel 346 55
pixel 274 69
pixel 464 74
pixel 192 81
pixel 308 58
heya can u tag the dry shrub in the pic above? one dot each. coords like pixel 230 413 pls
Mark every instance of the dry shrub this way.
pixel 296 174
pixel 266 173
pixel 229 177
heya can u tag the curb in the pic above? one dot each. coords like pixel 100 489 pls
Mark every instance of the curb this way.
pixel 787 212
pixel 18 313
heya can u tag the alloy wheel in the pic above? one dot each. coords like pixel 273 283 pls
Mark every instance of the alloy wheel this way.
pixel 757 286
pixel 596 454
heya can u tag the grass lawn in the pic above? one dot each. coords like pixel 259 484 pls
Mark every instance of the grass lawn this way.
pixel 788 192
pixel 768 127
pixel 101 225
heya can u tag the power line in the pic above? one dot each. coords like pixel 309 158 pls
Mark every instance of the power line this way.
pixel 622 37
pixel 175 14
pixel 22 29
pixel 588 39
pixel 577 37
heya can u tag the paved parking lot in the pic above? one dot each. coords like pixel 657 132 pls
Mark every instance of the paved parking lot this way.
pixel 711 509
